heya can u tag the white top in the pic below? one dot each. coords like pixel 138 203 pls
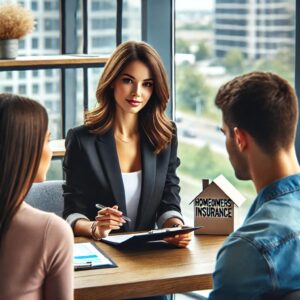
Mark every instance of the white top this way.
pixel 132 186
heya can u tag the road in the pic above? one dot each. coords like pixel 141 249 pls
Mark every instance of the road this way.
pixel 201 131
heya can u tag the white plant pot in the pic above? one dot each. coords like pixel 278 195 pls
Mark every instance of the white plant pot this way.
pixel 8 49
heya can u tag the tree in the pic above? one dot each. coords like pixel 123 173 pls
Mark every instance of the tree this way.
pixel 234 61
pixel 182 46
pixel 282 63
pixel 192 91
pixel 203 51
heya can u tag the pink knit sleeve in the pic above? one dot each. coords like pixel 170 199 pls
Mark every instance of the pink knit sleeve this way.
pixel 58 258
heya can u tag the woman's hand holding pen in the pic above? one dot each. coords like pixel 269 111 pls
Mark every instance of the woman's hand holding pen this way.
pixel 108 219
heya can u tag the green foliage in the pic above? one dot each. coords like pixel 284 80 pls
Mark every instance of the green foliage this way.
pixel 203 51
pixel 192 91
pixel 234 61
pixel 182 46
pixel 282 63
pixel 202 162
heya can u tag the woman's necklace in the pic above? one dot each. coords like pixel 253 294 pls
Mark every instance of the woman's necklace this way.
pixel 122 139
pixel 125 139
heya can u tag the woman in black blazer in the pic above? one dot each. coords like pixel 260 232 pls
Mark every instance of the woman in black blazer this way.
pixel 125 156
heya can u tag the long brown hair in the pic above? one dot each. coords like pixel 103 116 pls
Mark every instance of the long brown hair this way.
pixel 152 118
pixel 23 127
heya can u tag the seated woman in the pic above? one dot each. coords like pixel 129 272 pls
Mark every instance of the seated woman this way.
pixel 36 247
pixel 125 155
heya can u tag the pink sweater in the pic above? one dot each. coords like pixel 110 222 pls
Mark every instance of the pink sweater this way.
pixel 36 257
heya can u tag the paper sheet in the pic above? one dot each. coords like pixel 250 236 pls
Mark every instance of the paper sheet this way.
pixel 87 256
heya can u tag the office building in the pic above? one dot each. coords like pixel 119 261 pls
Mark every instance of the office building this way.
pixel 257 27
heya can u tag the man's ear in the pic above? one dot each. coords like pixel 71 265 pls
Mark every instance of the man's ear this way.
pixel 241 138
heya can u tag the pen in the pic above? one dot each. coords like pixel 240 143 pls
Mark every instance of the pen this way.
pixel 82 265
pixel 102 206
pixel 163 230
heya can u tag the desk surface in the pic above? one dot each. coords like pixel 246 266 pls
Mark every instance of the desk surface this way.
pixel 154 270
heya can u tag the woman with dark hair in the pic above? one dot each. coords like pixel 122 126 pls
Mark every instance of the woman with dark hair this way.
pixel 35 246
pixel 125 156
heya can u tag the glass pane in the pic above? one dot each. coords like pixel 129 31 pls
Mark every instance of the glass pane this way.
pixel 132 20
pixel 40 87
pixel 215 41
pixel 75 97
pixel 45 39
pixel 102 26
pixel 94 75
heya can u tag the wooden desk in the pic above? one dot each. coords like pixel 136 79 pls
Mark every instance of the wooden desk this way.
pixel 150 271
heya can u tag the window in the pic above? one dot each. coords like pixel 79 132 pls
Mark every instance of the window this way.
pixel 49 88
pixel 103 23
pixel 51 24
pixel 45 85
pixel 22 89
pixel 52 43
pixel 9 74
pixel 8 89
pixel 49 73
pixel 21 44
pixel 103 41
pixel 35 89
pixel 35 73
pixel 51 5
pixel 22 74
pixel 34 5
pixel 34 43
pixel 102 5
pixel 221 44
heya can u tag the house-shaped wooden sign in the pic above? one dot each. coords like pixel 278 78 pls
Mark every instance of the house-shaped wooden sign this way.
pixel 216 207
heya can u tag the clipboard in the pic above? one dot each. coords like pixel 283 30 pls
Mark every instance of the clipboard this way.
pixel 144 237
pixel 88 256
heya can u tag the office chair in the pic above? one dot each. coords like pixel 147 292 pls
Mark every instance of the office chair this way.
pixel 292 296
pixel 47 196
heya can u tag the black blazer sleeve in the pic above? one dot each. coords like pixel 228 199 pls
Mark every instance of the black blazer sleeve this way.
pixel 78 189
pixel 87 180
pixel 170 198
pixel 73 188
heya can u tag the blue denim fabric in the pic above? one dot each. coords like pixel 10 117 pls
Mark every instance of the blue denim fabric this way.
pixel 261 260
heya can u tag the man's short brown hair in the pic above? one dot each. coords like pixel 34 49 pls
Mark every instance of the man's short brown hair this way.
pixel 263 104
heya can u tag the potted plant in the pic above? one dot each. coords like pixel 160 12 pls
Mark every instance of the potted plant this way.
pixel 15 23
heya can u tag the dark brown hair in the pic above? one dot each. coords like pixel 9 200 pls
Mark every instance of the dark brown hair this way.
pixel 152 118
pixel 263 104
pixel 23 127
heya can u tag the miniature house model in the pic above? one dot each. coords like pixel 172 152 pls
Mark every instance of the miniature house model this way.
pixel 216 207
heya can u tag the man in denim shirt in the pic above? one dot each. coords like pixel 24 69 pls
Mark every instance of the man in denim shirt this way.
pixel 261 260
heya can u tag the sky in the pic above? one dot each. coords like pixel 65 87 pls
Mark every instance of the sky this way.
pixel 195 4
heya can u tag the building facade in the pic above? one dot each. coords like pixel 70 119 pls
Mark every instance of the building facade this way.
pixel 258 28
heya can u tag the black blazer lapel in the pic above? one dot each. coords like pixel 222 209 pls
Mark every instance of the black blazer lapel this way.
pixel 107 151
pixel 148 177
